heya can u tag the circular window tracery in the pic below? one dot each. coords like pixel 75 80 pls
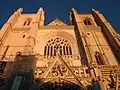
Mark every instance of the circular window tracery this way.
pixel 57 44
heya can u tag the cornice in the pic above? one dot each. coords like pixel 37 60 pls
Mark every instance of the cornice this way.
pixel 57 27
pixel 21 29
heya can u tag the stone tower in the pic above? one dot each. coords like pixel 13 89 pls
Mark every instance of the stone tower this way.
pixel 84 55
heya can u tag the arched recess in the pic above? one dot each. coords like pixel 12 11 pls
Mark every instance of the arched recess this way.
pixel 59 84
pixel 62 35
pixel 87 21
pixel 99 58
pixel 27 22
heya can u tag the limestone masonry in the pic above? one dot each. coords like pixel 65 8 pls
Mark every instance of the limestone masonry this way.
pixel 84 55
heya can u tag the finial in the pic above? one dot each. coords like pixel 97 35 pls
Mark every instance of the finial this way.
pixel 74 11
pixel 40 9
pixel 93 9
pixel 20 10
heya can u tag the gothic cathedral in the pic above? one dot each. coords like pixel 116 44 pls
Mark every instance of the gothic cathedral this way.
pixel 83 55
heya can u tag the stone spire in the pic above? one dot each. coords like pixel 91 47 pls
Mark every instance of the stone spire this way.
pixel 74 11
pixel 40 10
pixel 20 10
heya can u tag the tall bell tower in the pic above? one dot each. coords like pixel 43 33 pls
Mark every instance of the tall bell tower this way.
pixel 83 55
pixel 100 44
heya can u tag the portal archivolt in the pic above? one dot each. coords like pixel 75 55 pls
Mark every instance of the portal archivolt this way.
pixel 59 85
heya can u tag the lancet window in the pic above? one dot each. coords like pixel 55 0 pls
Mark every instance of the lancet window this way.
pixel 57 44
pixel 98 58
pixel 87 22
pixel 27 22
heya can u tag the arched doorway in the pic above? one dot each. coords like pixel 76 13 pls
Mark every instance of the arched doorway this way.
pixel 59 85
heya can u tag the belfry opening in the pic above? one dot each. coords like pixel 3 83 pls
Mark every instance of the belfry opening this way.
pixel 83 55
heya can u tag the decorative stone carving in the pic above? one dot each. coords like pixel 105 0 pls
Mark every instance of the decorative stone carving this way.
pixel 110 75
pixel 59 70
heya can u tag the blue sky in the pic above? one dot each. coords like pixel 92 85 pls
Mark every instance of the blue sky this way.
pixel 61 8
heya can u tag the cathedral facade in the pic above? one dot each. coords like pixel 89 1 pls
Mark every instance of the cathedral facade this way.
pixel 83 55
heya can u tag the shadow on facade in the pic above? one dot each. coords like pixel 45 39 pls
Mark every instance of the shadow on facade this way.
pixel 22 77
pixel 28 83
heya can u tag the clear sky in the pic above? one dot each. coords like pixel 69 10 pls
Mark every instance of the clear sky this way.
pixel 61 8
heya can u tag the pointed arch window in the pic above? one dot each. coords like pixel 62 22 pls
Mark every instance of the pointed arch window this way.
pixel 98 58
pixel 87 22
pixel 27 22
pixel 57 44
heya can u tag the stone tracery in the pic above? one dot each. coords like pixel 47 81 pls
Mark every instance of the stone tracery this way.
pixel 57 44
